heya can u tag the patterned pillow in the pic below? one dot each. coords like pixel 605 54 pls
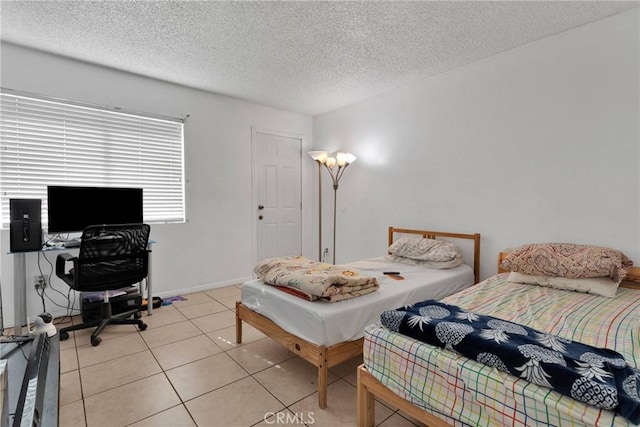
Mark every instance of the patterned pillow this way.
pixel 568 260
pixel 425 249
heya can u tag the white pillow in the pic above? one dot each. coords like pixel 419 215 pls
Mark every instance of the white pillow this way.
pixel 430 264
pixel 425 249
pixel 603 286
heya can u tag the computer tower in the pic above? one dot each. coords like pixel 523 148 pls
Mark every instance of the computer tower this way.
pixel 132 300
pixel 25 225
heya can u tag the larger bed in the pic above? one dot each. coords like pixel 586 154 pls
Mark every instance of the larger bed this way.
pixel 440 387
pixel 326 334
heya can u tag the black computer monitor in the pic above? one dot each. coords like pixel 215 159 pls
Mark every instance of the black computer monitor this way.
pixel 72 209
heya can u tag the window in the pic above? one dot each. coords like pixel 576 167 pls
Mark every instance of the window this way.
pixel 51 142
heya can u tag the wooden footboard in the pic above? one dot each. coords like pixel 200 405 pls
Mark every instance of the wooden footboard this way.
pixel 320 356
pixel 370 388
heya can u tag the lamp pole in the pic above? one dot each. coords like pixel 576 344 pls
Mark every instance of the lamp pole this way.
pixel 320 157
pixel 342 160
pixel 335 204
pixel 319 212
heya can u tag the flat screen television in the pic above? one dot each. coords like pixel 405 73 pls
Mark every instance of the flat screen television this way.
pixel 73 209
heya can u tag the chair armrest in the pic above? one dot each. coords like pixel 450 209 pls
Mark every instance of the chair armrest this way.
pixel 61 262
pixel 66 256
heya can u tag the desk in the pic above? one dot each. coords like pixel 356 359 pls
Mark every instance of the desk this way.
pixel 20 285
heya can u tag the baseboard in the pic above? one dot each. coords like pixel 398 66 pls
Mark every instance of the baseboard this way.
pixel 201 288
pixel 55 314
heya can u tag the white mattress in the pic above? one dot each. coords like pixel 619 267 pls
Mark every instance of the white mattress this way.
pixel 326 323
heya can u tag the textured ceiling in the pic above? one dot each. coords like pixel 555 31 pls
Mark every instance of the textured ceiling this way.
pixel 310 57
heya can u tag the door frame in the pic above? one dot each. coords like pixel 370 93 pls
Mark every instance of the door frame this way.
pixel 254 184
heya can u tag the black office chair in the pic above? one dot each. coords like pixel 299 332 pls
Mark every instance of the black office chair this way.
pixel 111 257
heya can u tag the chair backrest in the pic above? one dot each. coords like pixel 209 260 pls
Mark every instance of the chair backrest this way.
pixel 112 256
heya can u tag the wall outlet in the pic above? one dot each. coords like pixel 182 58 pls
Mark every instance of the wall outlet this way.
pixel 39 283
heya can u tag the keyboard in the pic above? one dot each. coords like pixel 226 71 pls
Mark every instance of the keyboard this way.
pixel 72 243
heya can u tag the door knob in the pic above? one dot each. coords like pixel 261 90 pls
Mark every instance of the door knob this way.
pixel 260 207
pixel 260 217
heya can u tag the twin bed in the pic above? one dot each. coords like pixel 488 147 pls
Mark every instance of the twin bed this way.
pixel 440 388
pixel 326 334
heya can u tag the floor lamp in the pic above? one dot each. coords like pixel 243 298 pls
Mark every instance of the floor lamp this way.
pixel 321 158
pixel 342 160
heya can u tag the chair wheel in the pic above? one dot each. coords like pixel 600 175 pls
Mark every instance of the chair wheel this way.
pixel 137 315
pixel 95 341
pixel 64 335
pixel 142 326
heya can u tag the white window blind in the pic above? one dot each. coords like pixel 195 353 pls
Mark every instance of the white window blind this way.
pixel 45 142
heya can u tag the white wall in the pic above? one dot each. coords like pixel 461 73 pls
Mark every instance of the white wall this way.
pixel 540 143
pixel 214 247
pixel 537 144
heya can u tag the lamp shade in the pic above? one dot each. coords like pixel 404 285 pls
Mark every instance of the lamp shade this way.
pixel 349 158
pixel 345 158
pixel 319 156
pixel 331 162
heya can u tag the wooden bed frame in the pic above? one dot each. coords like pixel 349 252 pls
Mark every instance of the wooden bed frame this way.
pixel 325 357
pixel 369 387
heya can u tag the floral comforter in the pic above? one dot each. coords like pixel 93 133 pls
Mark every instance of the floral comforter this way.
pixel 316 280
pixel 595 376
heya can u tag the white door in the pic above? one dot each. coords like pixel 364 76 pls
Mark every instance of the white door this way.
pixel 277 194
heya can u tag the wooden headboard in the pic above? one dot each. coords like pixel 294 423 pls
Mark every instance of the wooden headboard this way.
pixel 631 280
pixel 434 234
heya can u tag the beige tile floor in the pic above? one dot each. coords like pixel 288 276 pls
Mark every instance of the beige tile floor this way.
pixel 187 370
